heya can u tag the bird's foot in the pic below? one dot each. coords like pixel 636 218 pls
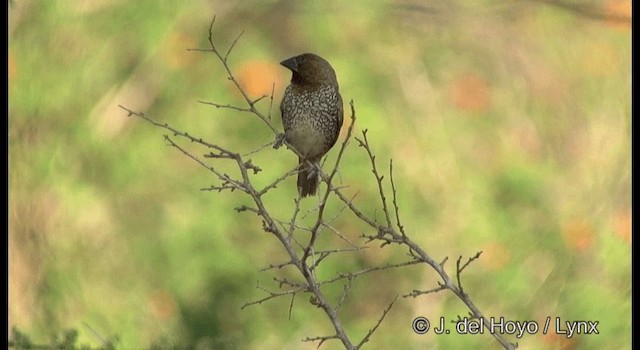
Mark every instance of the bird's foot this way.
pixel 312 173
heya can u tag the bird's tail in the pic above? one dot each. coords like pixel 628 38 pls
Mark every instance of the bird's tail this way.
pixel 307 179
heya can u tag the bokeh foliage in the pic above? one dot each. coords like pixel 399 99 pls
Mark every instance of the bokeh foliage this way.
pixel 508 123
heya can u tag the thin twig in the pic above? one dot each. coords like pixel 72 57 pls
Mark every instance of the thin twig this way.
pixel 395 202
pixel 345 291
pixel 271 296
pixel 372 330
pixel 347 275
pixel 365 144
pixel 414 293
pixel 227 106
pixel 273 88
pixel 226 56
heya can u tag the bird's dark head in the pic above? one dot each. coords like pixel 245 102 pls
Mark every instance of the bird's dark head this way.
pixel 310 69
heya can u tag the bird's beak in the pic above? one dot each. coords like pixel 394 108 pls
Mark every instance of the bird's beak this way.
pixel 290 63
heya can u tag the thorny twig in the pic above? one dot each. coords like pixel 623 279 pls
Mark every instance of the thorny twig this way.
pixel 388 235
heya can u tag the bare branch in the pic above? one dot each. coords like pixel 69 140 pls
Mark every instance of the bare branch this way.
pixel 293 298
pixel 278 180
pixel 416 292
pixel 246 208
pixel 345 291
pixel 230 76
pixel 321 339
pixel 277 266
pixel 460 268
pixel 395 202
pixel 227 106
pixel 273 88
pixel 258 149
pixel 372 330
pixel 272 295
pixel 294 217
pixel 470 260
pixel 347 275
pixel 365 144
pixel 337 233
pixel 226 56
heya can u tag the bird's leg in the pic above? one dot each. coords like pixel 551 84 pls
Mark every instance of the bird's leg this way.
pixel 312 172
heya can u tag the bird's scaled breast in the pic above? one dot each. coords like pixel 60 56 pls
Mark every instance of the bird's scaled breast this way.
pixel 307 138
pixel 309 118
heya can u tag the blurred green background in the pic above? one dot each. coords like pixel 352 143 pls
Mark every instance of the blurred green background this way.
pixel 508 124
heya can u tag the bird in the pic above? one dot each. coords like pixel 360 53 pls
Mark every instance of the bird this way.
pixel 312 115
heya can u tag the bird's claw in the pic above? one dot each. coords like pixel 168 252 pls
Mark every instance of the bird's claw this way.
pixel 312 173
